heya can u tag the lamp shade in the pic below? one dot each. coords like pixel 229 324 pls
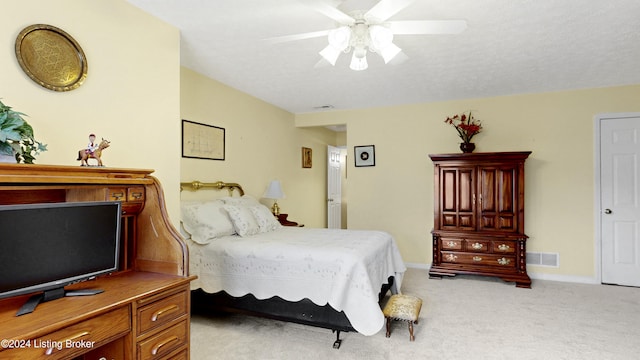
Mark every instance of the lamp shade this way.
pixel 274 191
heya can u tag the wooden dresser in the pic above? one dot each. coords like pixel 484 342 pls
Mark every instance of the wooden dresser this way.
pixel 144 311
pixel 479 216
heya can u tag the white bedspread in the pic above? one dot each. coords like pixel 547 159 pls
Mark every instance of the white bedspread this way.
pixel 342 268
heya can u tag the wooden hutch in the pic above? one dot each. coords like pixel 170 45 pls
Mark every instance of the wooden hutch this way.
pixel 144 311
pixel 479 216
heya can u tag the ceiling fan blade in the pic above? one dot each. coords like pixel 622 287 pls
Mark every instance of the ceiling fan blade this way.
pixel 329 11
pixel 385 9
pixel 427 27
pixel 303 36
pixel 399 59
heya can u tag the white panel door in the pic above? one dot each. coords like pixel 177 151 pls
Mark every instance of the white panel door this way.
pixel 334 189
pixel 620 200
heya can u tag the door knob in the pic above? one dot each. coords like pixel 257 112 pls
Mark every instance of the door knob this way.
pixel 607 211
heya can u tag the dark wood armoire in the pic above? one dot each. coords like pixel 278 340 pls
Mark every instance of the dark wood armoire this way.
pixel 479 216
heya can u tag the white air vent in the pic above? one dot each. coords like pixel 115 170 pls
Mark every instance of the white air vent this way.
pixel 543 259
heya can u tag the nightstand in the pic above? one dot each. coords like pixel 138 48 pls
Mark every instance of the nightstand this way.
pixel 282 218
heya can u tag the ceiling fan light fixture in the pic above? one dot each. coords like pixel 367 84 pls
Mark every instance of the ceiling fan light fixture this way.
pixel 359 60
pixel 381 37
pixel 339 38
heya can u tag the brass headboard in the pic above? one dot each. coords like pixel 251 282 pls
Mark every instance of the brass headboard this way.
pixel 197 185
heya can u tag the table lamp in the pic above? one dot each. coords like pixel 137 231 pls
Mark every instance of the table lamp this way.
pixel 274 191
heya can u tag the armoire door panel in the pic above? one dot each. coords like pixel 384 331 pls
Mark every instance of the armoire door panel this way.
pixel 466 189
pixel 457 198
pixel 449 186
pixel 506 193
pixel 497 190
pixel 487 190
pixel 507 223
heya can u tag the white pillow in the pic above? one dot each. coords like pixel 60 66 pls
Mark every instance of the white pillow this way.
pixel 265 219
pixel 205 221
pixel 244 200
pixel 242 219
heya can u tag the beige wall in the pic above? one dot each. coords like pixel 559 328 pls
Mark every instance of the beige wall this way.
pixel 262 144
pixel 397 194
pixel 131 94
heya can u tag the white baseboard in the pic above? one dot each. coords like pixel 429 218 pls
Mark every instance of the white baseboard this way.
pixel 418 266
pixel 563 278
pixel 533 275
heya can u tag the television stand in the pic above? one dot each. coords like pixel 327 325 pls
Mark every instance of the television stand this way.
pixel 53 294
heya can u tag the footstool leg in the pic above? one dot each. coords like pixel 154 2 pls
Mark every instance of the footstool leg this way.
pixel 411 337
pixel 388 327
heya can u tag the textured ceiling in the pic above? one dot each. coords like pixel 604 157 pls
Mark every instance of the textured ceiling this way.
pixel 509 47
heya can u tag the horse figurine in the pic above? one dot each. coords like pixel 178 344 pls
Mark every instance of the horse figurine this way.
pixel 84 154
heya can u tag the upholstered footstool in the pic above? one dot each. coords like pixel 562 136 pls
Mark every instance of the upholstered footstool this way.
pixel 405 308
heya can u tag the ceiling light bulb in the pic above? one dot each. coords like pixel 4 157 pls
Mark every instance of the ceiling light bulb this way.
pixel 381 37
pixel 358 62
pixel 360 52
pixel 339 38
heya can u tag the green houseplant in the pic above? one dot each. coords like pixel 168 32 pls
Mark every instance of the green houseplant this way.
pixel 16 136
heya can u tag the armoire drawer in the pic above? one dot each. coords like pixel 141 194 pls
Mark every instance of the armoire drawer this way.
pixel 476 245
pixel 504 247
pixel 479 259
pixel 451 244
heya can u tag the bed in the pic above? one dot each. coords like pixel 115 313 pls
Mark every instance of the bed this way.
pixel 246 261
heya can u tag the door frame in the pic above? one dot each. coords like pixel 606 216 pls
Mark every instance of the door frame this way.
pixel 597 209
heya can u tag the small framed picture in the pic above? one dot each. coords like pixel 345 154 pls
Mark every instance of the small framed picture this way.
pixel 307 157
pixel 365 155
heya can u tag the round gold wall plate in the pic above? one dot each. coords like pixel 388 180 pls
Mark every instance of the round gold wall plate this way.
pixel 51 57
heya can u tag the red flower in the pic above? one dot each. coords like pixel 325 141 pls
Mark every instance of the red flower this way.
pixel 466 125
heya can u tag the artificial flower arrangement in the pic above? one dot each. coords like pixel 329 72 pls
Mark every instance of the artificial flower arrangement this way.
pixel 466 125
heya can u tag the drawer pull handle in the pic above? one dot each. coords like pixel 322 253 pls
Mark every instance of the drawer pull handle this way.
pixel 504 261
pixel 157 348
pixel 50 350
pixel 476 246
pixel 477 258
pixel 117 196
pixel 168 309
pixel 451 244
pixel 504 247
pixel 136 195
pixel 451 257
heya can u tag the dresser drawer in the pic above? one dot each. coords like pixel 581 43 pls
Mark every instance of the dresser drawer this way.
pixel 451 244
pixel 477 245
pixel 162 311
pixel 75 339
pixel 479 259
pixel 164 342
pixel 504 247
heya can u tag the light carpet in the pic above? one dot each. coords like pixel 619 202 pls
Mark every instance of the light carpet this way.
pixel 462 318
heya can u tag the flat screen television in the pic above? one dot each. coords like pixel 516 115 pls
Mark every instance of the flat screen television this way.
pixel 44 247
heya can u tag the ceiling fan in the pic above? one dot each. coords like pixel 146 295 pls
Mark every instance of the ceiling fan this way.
pixel 363 31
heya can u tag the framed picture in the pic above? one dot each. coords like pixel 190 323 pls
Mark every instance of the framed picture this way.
pixel 365 155
pixel 202 141
pixel 307 158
